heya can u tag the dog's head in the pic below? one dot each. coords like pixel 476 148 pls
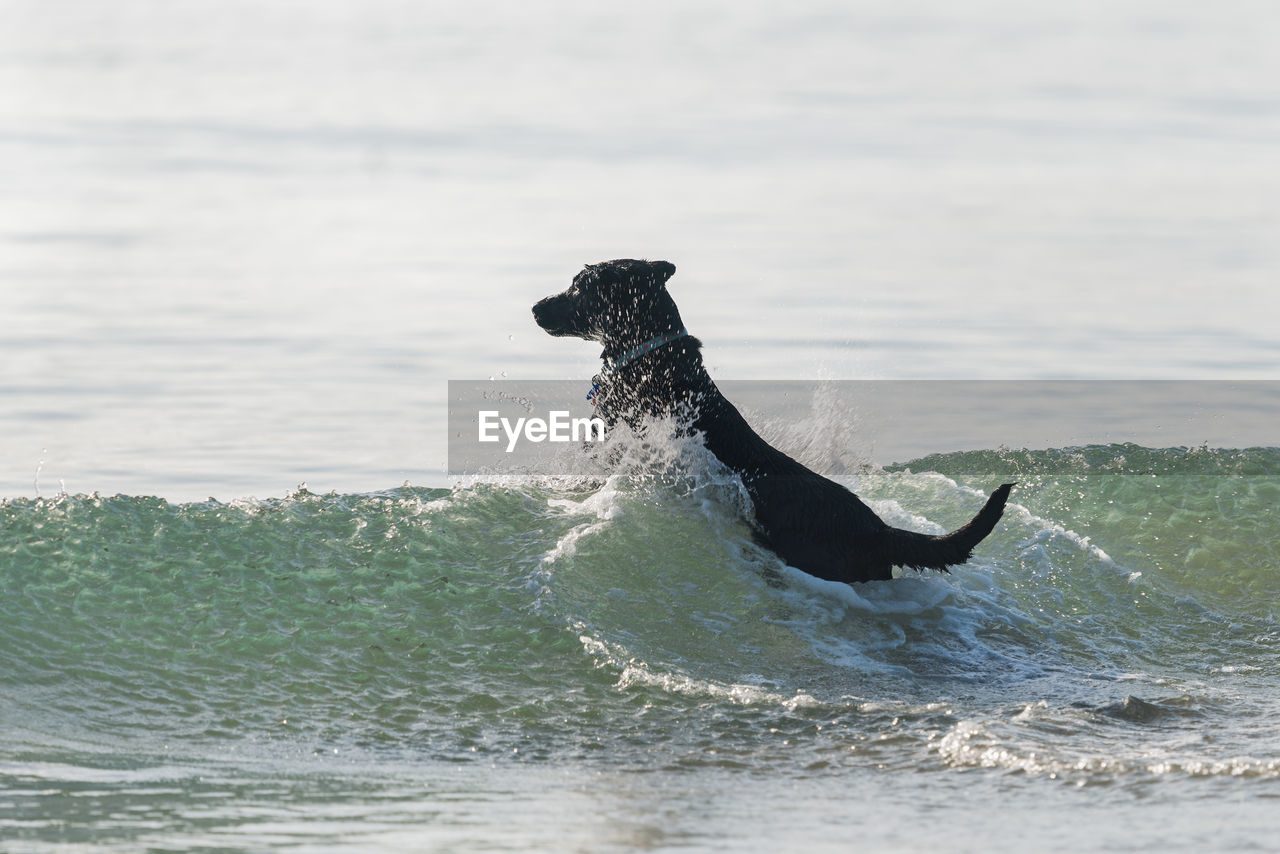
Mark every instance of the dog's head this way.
pixel 613 301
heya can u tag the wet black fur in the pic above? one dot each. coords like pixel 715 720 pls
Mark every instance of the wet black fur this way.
pixel 812 523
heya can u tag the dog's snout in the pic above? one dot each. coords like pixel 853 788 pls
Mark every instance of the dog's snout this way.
pixel 553 314
pixel 543 310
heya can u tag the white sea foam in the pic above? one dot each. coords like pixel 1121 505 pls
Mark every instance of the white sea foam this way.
pixel 999 745
pixel 634 672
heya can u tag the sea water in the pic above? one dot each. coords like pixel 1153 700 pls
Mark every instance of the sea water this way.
pixel 245 246
pixel 605 665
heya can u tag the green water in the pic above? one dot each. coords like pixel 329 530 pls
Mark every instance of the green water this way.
pixel 568 664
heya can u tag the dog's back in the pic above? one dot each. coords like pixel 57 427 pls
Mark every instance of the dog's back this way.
pixel 819 526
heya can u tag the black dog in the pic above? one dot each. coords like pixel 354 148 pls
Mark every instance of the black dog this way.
pixel 653 367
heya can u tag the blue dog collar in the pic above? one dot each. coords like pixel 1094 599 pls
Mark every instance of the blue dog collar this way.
pixel 630 356
pixel 647 347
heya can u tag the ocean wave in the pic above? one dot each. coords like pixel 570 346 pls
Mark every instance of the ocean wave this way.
pixel 511 612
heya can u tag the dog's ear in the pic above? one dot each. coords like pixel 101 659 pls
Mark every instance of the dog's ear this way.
pixel 632 272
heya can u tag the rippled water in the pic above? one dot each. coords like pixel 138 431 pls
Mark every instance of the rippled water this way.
pixel 508 655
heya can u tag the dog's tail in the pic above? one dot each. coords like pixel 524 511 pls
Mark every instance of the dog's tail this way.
pixel 922 551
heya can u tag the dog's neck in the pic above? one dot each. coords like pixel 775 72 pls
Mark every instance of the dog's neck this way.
pixel 667 378
pixel 617 361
